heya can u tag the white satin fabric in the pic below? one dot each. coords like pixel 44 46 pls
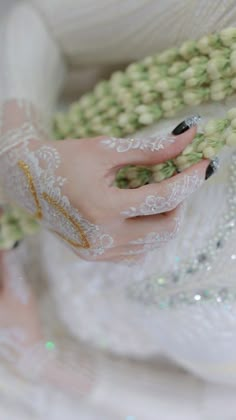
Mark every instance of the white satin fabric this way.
pixel 89 301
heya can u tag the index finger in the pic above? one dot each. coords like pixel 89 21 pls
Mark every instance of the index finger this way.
pixel 153 149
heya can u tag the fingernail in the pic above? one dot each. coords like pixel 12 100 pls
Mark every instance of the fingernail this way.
pixel 212 168
pixel 186 124
pixel 16 244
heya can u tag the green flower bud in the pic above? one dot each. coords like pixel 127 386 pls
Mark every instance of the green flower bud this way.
pixel 176 68
pixel 228 36
pixel 158 176
pixel 203 45
pixel 112 112
pixel 191 97
pixel 169 84
pixel 198 60
pixel 149 97
pixel 101 89
pixel 87 100
pixel 200 147
pixel 193 82
pixel 135 68
pixel 141 109
pixel 148 61
pixel 181 160
pixel 224 54
pixel 123 120
pixel 169 94
pixel 135 183
pixel 189 149
pixel 188 49
pixel 209 152
pixel 168 56
pixel 146 119
pixel 214 126
pixel 196 71
pixel 216 65
pixel 132 173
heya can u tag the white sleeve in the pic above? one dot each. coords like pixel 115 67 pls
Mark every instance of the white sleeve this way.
pixel 32 66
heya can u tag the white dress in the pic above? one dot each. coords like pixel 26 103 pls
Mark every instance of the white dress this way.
pixel 166 330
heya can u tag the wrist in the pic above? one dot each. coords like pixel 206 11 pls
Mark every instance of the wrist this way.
pixel 21 133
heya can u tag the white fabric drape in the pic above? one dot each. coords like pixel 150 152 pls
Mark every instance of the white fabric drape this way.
pixel 40 43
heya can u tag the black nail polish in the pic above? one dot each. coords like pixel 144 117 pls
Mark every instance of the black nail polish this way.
pixel 212 168
pixel 16 244
pixel 186 125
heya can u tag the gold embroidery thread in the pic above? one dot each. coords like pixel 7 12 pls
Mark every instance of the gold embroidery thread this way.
pixel 39 214
pixel 85 243
pixel 26 169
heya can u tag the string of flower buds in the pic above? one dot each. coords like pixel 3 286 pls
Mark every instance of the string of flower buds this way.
pixel 207 144
pixel 153 88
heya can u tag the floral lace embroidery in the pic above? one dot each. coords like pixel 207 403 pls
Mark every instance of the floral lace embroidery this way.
pixel 152 143
pixel 177 192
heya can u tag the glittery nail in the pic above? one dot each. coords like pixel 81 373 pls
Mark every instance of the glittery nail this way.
pixel 186 124
pixel 212 168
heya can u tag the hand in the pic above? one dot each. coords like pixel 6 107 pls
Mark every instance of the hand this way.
pixel 69 185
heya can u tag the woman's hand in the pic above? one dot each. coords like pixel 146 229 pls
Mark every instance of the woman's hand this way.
pixel 69 186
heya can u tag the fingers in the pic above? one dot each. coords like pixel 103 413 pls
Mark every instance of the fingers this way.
pixel 153 149
pixel 162 197
pixel 138 236
pixel 155 230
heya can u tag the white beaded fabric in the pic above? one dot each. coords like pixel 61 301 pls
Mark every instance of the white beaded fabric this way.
pixel 180 302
